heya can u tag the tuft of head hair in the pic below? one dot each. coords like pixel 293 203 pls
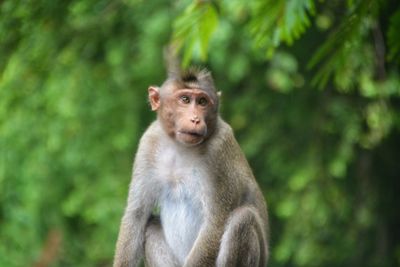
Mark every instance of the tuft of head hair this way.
pixel 193 74
pixel 196 77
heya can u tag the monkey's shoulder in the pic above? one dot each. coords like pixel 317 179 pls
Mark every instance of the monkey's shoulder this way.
pixel 223 126
pixel 152 134
pixel 225 149
pixel 223 140
pixel 148 144
pixel 223 131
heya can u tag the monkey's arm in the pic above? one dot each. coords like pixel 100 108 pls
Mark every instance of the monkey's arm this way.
pixel 232 185
pixel 205 249
pixel 130 242
pixel 141 200
pixel 220 198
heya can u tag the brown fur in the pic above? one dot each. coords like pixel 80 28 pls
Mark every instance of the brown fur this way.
pixel 212 170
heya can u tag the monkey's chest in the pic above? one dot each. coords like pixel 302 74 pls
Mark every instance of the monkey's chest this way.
pixel 181 208
pixel 181 218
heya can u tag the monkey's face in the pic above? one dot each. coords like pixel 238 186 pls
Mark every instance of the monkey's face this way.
pixel 192 112
pixel 187 115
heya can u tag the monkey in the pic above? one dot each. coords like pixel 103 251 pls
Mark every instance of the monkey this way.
pixel 189 166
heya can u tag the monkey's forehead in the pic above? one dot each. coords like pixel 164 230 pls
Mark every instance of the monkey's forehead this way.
pixel 191 91
pixel 177 86
pixel 204 84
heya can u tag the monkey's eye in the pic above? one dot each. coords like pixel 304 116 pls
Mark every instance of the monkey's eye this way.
pixel 203 101
pixel 185 99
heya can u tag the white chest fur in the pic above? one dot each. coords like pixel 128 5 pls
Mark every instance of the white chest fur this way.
pixel 182 174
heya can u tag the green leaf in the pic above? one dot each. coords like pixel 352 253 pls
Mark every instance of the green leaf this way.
pixel 194 29
pixel 394 37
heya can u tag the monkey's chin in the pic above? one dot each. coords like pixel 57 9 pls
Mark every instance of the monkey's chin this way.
pixel 189 139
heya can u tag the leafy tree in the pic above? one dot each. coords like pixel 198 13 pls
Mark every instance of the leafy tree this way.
pixel 323 155
pixel 311 89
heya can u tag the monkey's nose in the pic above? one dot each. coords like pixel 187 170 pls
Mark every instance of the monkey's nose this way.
pixel 195 120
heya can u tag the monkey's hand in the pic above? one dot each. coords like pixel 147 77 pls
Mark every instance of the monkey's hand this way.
pixel 205 249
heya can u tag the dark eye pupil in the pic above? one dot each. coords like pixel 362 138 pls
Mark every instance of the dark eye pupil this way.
pixel 185 99
pixel 203 101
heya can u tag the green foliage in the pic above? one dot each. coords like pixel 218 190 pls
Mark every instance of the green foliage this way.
pixel 72 99
pixel 73 79
pixel 269 30
pixel 393 37
pixel 317 146
pixel 194 29
pixel 346 46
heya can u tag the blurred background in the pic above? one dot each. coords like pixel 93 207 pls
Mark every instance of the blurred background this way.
pixel 311 89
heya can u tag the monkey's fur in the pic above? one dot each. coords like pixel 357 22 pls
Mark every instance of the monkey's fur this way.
pixel 212 212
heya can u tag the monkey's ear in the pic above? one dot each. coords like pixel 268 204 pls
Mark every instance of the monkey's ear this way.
pixel 219 94
pixel 154 97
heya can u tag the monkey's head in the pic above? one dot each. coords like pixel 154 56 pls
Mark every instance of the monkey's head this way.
pixel 187 106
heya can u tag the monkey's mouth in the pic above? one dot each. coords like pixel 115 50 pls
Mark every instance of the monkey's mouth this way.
pixel 191 137
pixel 193 134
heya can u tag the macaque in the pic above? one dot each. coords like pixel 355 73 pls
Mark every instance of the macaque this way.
pixel 191 169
